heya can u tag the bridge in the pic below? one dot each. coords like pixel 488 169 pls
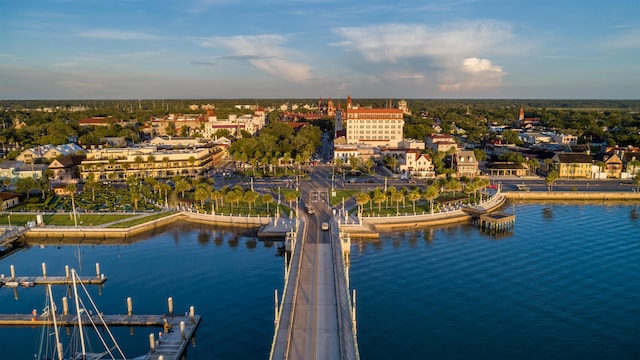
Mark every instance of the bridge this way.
pixel 316 316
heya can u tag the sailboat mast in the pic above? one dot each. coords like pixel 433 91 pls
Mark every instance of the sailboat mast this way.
pixel 52 311
pixel 78 310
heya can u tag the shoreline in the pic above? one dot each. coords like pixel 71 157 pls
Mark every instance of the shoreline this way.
pixel 369 226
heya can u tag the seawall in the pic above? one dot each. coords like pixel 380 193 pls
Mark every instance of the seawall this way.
pixel 87 232
pixel 573 195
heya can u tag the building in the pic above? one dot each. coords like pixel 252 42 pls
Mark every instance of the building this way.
pixel 116 164
pixel 49 152
pixel 573 165
pixel 65 168
pixel 465 163
pixel 441 142
pixel 344 152
pixel 412 144
pixel 8 200
pixel 373 127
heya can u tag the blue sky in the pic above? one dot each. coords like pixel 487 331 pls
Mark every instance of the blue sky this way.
pixel 130 49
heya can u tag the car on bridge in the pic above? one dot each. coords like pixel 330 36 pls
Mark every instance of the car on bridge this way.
pixel 325 226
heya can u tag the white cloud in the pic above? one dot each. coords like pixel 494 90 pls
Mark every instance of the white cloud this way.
pixel 264 52
pixel 447 54
pixel 116 35
pixel 475 65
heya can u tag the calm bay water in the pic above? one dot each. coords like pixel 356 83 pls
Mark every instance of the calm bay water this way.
pixel 564 284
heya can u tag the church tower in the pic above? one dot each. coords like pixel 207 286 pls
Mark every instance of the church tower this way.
pixel 521 116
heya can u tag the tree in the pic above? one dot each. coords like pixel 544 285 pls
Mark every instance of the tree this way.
pixel 250 197
pixel 182 185
pixel 379 197
pixel 430 194
pixel 192 162
pixel 353 162
pixel 202 193
pixel 550 179
pixel 92 184
pixel 267 199
pixel 362 198
pixel 71 189
pixel 397 197
pixel 413 197
pixel 25 185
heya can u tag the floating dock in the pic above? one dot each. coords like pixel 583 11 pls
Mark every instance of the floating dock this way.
pixel 171 343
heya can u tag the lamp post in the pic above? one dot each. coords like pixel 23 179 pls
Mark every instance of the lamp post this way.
pixel 9 218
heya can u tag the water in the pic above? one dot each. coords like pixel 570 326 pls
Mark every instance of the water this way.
pixel 565 284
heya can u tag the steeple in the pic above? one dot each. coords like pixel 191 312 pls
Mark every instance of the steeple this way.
pixel 521 116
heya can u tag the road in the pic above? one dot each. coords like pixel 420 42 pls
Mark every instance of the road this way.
pixel 314 333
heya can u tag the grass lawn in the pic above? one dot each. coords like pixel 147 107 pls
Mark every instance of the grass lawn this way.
pixel 134 222
pixel 64 219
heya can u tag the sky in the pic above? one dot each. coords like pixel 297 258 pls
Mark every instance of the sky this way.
pixel 208 49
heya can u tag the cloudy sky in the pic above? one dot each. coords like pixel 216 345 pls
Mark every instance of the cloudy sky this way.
pixel 95 49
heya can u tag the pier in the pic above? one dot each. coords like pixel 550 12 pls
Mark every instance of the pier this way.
pixel 14 281
pixel 177 330
pixel 495 222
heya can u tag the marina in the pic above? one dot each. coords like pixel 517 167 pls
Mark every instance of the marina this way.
pixel 474 294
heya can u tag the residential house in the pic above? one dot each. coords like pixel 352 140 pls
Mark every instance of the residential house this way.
pixel 465 163
pixel 441 142
pixel 612 165
pixel 49 152
pixel 417 165
pixel 573 165
pixel 65 168
pixel 35 171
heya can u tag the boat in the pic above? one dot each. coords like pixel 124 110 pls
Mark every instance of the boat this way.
pixel 77 348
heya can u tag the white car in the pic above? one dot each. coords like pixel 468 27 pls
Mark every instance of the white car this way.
pixel 325 226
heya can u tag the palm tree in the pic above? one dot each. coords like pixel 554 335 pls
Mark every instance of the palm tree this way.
pixel 182 185
pixel 550 179
pixel 165 164
pixel 138 160
pixel 430 194
pixel 379 197
pixel 397 197
pixel 232 197
pixel 192 162
pixel 413 197
pixel 290 196
pixel 71 189
pixel 267 199
pixel 362 198
pixel 353 162
pixel 92 184
pixel 202 193
pixel 250 197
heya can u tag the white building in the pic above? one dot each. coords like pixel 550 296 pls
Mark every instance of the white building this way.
pixel 374 127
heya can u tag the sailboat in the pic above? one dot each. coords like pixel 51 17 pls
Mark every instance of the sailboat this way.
pixel 52 348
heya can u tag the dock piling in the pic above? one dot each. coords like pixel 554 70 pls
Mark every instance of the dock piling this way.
pixel 66 271
pixel 182 332
pixel 152 343
pixel 97 270
pixel 13 272
pixel 129 306
pixel 170 303
pixel 44 270
pixel 192 314
pixel 65 306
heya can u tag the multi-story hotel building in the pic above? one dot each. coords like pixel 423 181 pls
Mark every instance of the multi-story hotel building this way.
pixel 117 164
pixel 374 127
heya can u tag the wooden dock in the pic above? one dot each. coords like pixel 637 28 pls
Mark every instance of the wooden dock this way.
pixel 171 345
pixel 29 281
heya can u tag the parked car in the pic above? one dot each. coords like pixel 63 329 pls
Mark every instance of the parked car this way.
pixel 325 226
